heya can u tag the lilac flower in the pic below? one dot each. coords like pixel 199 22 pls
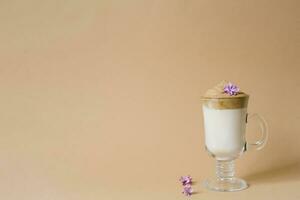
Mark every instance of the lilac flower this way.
pixel 185 180
pixel 231 89
pixel 187 190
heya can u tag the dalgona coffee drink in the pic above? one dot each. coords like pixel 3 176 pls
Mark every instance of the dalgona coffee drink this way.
pixel 225 120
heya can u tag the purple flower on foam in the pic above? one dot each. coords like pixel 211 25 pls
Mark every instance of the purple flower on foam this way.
pixel 187 190
pixel 185 180
pixel 231 89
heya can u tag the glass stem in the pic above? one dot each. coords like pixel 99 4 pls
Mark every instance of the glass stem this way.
pixel 225 169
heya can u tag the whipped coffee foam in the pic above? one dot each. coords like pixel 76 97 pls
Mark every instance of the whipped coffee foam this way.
pixel 218 92
pixel 217 98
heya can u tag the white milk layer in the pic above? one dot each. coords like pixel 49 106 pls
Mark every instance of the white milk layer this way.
pixel 224 131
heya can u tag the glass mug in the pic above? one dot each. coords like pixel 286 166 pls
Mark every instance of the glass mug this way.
pixel 225 122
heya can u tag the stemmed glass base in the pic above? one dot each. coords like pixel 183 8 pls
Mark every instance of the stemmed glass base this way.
pixel 230 185
pixel 225 180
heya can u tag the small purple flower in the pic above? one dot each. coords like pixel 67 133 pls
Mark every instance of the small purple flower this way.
pixel 185 180
pixel 231 89
pixel 187 190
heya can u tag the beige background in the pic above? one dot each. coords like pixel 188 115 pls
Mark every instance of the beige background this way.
pixel 101 99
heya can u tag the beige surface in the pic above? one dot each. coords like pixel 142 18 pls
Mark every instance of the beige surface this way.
pixel 101 99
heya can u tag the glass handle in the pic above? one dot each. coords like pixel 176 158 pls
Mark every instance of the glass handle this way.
pixel 259 144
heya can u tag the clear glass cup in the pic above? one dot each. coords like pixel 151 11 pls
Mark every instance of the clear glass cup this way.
pixel 225 122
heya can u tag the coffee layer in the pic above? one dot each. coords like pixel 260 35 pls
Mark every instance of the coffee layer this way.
pixel 226 103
